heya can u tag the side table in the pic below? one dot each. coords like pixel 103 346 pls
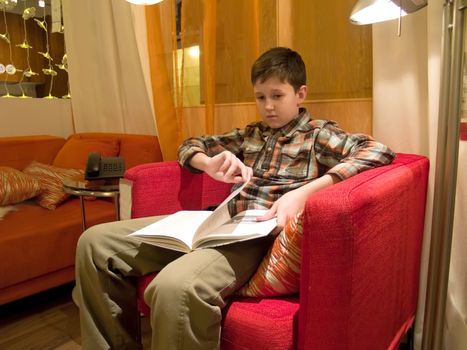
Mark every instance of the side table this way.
pixel 80 187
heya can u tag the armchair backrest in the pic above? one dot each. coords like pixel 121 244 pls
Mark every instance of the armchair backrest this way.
pixel 165 187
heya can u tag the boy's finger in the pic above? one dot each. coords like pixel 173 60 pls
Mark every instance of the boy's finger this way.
pixel 232 171
pixel 237 179
pixel 246 174
pixel 225 165
pixel 268 215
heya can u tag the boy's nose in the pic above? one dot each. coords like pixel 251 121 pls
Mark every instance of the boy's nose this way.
pixel 269 105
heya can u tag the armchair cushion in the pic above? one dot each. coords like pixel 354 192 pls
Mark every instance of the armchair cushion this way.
pixel 260 323
pixel 279 271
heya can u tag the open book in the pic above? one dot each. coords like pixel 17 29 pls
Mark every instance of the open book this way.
pixel 189 230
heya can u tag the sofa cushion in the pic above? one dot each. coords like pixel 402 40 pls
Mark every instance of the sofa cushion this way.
pixel 18 151
pixel 15 186
pixel 135 149
pixel 36 242
pixel 279 271
pixel 51 180
pixel 139 149
pixel 74 154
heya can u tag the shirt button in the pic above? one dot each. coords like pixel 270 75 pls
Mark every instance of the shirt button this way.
pixel 269 149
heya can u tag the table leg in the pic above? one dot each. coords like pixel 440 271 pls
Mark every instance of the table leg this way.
pixel 83 213
pixel 117 206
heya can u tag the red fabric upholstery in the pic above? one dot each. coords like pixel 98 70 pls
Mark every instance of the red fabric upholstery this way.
pixel 260 324
pixel 463 132
pixel 360 260
pixel 164 188
pixel 361 256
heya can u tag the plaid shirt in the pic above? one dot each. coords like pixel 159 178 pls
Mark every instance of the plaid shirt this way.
pixel 287 158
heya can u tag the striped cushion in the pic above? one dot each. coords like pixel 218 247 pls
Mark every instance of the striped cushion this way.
pixel 279 271
pixel 51 180
pixel 16 186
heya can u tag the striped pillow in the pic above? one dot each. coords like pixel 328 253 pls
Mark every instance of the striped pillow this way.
pixel 279 271
pixel 16 186
pixel 51 180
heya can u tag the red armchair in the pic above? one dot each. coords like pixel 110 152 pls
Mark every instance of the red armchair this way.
pixel 360 258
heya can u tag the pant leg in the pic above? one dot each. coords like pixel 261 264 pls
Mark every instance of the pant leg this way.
pixel 186 296
pixel 106 263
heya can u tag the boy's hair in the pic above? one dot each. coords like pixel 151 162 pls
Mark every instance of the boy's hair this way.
pixel 280 62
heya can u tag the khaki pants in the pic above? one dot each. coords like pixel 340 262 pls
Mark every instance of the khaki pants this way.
pixel 185 298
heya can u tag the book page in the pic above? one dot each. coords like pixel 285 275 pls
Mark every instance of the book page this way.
pixel 218 217
pixel 241 227
pixel 179 231
pixel 180 226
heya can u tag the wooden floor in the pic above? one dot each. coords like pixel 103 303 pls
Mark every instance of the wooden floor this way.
pixel 46 321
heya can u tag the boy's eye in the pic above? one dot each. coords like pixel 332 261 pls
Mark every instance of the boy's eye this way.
pixel 276 97
pixel 260 98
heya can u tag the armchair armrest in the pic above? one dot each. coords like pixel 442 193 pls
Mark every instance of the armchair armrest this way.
pixel 165 187
pixel 361 255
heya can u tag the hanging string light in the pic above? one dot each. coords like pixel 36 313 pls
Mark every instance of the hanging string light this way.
pixel 57 27
pixel 49 70
pixel 9 69
pixel 28 13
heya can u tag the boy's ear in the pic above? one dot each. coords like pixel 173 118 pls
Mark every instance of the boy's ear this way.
pixel 302 92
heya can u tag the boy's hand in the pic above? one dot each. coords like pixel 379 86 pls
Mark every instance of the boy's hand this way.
pixel 225 167
pixel 291 203
pixel 286 207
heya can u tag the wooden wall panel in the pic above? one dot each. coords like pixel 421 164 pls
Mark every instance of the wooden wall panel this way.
pixel 227 117
pixel 236 47
pixel 337 53
pixel 353 115
pixel 240 38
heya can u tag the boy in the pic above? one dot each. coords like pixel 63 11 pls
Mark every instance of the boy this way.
pixel 287 157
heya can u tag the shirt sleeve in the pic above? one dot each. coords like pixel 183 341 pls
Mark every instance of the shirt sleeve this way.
pixel 346 155
pixel 210 145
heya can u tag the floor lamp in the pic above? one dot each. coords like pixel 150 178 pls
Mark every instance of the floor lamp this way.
pixel 446 173
pixel 449 115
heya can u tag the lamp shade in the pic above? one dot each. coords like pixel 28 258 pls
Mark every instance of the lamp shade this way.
pixel 144 2
pixel 374 11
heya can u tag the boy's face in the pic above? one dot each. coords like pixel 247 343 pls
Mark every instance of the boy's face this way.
pixel 277 102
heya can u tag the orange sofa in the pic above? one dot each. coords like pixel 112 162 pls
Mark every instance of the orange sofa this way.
pixel 37 245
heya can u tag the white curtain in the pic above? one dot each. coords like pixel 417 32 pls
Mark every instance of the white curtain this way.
pixel 406 101
pixel 455 335
pixel 110 91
